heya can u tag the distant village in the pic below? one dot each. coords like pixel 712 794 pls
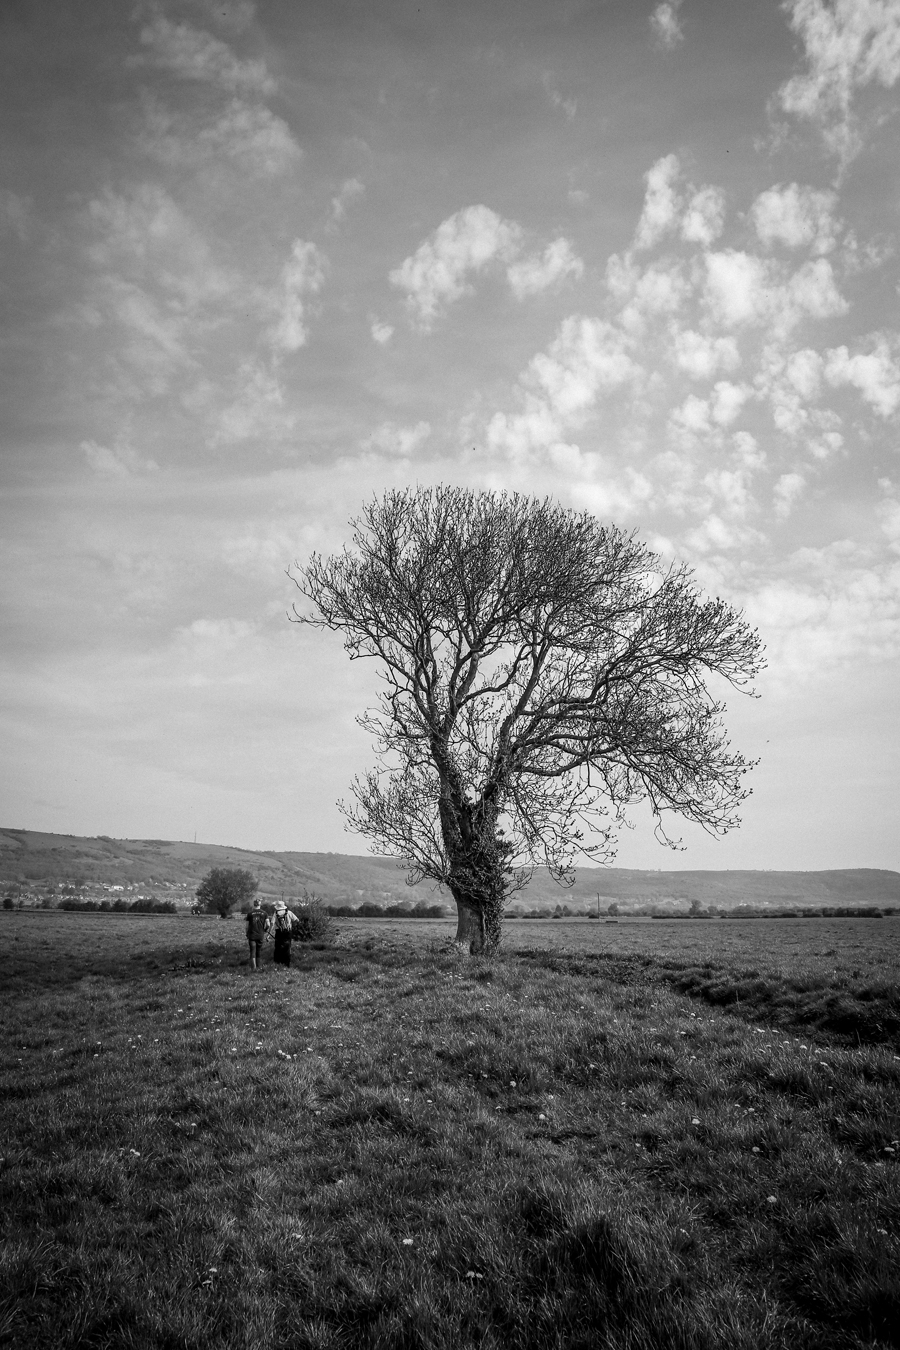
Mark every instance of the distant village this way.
pixel 157 896
pixel 151 896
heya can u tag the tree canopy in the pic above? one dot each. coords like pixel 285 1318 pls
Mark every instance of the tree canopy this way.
pixel 541 673
pixel 226 888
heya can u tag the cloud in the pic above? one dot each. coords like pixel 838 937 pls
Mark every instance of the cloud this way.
pixel 381 332
pixel 666 24
pixel 145 235
pixel 122 462
pixel 888 514
pixel 875 373
pixel 660 289
pixel 567 105
pixel 536 274
pixel 848 44
pixel 738 286
pixel 152 274
pixel 302 275
pixel 399 442
pixel 662 202
pixel 829 607
pixel 466 242
pixel 743 289
pixel 787 490
pixel 798 217
pixel 350 190
pixel 247 133
pixel 702 355
pixel 704 218
pixel 15 214
pixel 255 136
pixel 192 54
pixel 258 412
pixel 560 387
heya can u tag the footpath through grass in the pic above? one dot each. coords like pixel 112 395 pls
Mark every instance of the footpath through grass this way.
pixel 383 1147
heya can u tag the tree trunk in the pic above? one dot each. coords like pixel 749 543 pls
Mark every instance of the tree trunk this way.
pixel 469 928
pixel 477 874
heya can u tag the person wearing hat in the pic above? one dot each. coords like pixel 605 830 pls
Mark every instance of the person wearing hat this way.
pixel 282 930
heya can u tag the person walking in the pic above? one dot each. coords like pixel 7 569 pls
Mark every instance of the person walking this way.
pixel 258 924
pixel 282 930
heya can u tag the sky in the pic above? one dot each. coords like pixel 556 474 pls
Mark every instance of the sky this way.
pixel 260 261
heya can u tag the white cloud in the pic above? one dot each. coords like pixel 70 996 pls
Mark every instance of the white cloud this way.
pixel 437 273
pixel 381 332
pixel 560 387
pixel 804 371
pixel 258 412
pixel 146 236
pixel 788 489
pixel 875 373
pixel 702 355
pixel 727 401
pixel 15 214
pixel 666 24
pixel 889 515
pixel 737 286
pixel 536 274
pixel 830 607
pixel 792 381
pixel 692 416
pixel 704 217
pixel 659 289
pixel 567 105
pixel 401 442
pixel 350 190
pixel 743 289
pixel 123 462
pixel 848 44
pixel 253 135
pixel 587 358
pixel 661 202
pixel 796 216
pixel 812 291
pixel 195 55
pixel 303 275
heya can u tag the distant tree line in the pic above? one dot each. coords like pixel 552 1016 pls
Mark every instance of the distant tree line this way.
pixel 369 910
pixel 145 906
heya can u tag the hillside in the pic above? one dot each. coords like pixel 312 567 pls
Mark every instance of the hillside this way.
pixel 37 860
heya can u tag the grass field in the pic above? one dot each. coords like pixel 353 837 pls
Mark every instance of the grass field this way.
pixel 621 1136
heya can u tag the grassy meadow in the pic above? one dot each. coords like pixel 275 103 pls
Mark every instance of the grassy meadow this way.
pixel 668 1134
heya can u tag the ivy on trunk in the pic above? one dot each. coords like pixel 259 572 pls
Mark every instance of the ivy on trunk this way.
pixel 541 673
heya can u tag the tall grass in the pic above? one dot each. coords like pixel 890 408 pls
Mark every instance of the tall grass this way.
pixel 384 1147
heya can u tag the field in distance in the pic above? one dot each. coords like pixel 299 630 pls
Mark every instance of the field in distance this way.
pixel 36 863
pixel 386 1145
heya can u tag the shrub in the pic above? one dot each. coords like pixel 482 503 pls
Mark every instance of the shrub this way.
pixel 314 923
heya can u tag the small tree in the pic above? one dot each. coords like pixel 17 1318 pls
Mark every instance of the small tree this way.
pixel 224 888
pixel 542 672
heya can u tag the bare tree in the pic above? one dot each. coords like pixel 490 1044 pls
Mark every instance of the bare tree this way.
pixel 541 673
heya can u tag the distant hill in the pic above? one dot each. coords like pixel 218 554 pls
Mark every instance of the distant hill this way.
pixel 38 859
